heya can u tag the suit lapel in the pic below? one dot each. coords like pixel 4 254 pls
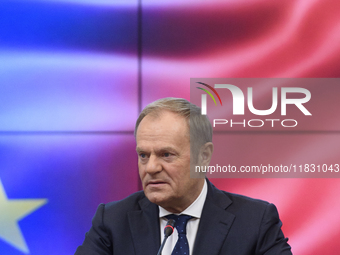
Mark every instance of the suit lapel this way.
pixel 144 225
pixel 214 224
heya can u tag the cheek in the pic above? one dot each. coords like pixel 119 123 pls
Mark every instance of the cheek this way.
pixel 181 176
pixel 141 171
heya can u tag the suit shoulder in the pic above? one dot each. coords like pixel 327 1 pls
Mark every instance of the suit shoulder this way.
pixel 242 199
pixel 249 210
pixel 235 202
pixel 129 203
pixel 232 198
pixel 251 207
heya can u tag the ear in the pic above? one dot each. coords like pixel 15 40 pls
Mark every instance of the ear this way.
pixel 205 154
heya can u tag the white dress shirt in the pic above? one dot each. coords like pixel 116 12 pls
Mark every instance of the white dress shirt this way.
pixel 195 210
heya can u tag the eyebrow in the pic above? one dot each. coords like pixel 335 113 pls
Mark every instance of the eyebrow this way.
pixel 168 148
pixel 138 149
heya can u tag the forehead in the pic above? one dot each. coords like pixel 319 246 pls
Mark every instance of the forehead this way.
pixel 162 127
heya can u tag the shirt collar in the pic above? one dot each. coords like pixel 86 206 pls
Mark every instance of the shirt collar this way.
pixel 195 209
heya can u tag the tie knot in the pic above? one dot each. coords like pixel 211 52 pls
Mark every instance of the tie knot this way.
pixel 181 222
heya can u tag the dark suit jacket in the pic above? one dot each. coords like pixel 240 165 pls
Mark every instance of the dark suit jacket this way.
pixel 230 225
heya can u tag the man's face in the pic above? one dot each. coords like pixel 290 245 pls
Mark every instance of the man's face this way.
pixel 163 148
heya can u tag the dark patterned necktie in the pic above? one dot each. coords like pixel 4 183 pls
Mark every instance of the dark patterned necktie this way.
pixel 182 246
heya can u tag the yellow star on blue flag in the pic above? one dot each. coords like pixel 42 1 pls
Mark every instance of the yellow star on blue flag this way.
pixel 11 212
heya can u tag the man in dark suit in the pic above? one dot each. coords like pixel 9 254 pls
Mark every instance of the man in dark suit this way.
pixel 167 132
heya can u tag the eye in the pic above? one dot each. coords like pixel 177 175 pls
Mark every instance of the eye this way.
pixel 142 155
pixel 167 154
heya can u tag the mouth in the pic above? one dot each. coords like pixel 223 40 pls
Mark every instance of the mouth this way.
pixel 155 183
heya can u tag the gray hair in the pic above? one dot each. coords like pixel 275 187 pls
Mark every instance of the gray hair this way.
pixel 198 124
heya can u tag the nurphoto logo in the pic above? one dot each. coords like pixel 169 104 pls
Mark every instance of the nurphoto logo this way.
pixel 302 96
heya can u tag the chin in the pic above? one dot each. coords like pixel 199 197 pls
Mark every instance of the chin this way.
pixel 157 199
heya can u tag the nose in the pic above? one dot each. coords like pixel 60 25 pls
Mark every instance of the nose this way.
pixel 153 166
